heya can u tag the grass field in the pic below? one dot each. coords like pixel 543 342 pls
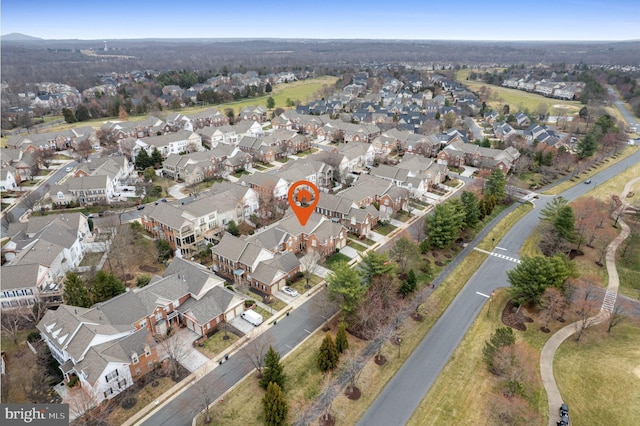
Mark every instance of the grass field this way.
pixel 599 378
pixel 517 99
pixel 303 91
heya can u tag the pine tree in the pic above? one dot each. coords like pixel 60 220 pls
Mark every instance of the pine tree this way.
pixel 409 285
pixel 502 337
pixel 233 228
pixel 273 370
pixel 142 160
pixel 342 344
pixel 156 158
pixel 496 185
pixel 75 292
pixel 275 406
pixel 328 355
pixel 106 286
pixel 471 207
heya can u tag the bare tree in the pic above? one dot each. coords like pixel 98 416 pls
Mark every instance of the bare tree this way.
pixel 85 406
pixel 553 305
pixel 205 396
pixel 616 316
pixel 310 264
pixel 176 345
pixel 12 322
pixel 84 149
pixel 584 306
pixel 353 364
pixel 327 307
pixel 256 349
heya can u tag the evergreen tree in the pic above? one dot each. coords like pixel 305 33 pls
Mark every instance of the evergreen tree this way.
pixel 82 113
pixel 273 371
pixel 564 223
pixel 496 185
pixel 271 103
pixel 375 264
pixel 409 285
pixel 587 146
pixel 233 228
pixel 268 88
pixel 106 286
pixel 345 286
pixel 68 115
pixel 164 250
pixel 445 224
pixel 535 274
pixel 275 406
pixel 156 158
pixel 471 208
pixel 75 292
pixel 342 343
pixel 502 337
pixel 142 160
pixel 328 355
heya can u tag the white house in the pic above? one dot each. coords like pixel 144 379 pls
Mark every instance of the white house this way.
pixel 171 143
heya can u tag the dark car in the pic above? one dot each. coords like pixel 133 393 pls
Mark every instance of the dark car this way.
pixel 564 410
pixel 588 181
pixel 140 207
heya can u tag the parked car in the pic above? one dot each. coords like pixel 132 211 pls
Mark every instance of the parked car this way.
pixel 290 291
pixel 140 207
pixel 68 169
pixel 588 181
pixel 564 410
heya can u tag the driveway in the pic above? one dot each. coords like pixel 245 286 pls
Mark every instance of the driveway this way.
pixel 242 325
pixel 193 359
pixel 468 171
pixel 176 191
pixel 349 252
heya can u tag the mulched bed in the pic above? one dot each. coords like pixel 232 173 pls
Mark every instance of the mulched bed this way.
pixel 353 393
pixel 438 263
pixel 149 268
pixel 326 420
pixel 380 359
pixel 514 319
pixel 417 317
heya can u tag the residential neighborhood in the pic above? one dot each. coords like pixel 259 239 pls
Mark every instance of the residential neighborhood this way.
pixel 152 245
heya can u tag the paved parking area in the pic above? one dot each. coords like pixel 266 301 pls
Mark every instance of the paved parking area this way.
pixel 241 325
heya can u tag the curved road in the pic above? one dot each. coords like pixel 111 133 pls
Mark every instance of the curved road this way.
pixel 404 392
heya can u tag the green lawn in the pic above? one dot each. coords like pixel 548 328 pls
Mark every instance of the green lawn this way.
pixel 599 378
pixel 330 262
pixel 240 173
pixel 385 229
pixel 216 344
pixel 356 246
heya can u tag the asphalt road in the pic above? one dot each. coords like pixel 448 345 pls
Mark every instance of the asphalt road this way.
pixel 404 392
pixel 20 208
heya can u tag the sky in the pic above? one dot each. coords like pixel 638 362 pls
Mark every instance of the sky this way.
pixel 325 19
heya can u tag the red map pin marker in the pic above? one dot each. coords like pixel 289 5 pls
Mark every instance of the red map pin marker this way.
pixel 303 198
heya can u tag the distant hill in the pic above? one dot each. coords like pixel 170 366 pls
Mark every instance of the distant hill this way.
pixel 19 37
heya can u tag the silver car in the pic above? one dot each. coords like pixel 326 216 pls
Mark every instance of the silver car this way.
pixel 290 291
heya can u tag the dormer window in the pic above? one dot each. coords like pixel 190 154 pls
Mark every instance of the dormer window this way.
pixel 134 358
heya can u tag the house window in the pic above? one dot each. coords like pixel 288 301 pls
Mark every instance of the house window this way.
pixel 137 371
pixel 134 358
pixel 111 375
pixel 143 323
pixel 149 364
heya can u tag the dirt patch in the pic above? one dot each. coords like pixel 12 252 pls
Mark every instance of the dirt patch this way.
pixel 513 317
pixel 353 393
pixel 637 371
pixel 149 268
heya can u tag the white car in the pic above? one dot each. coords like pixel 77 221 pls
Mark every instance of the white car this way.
pixel 290 291
pixel 68 169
